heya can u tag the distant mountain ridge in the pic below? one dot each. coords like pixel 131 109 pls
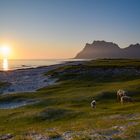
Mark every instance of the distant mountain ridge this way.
pixel 103 49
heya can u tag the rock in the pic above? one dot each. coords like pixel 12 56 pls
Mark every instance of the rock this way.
pixel 6 137
pixel 36 136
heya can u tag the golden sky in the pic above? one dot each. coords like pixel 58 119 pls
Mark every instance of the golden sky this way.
pixel 37 50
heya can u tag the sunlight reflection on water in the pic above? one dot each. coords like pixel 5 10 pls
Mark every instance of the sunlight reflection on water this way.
pixel 5 65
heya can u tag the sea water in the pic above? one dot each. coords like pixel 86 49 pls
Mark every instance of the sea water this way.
pixel 6 64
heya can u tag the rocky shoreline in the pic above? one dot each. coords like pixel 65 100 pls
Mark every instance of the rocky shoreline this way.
pixel 29 80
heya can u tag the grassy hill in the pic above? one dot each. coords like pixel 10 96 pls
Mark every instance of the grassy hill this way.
pixel 64 109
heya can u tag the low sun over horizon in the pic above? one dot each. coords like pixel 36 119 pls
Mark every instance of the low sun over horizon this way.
pixel 17 51
pixel 46 29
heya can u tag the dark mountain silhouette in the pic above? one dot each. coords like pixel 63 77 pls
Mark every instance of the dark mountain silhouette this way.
pixel 103 49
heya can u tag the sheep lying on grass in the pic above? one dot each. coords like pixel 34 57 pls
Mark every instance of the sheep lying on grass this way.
pixel 93 104
pixel 122 97
pixel 120 93
pixel 126 99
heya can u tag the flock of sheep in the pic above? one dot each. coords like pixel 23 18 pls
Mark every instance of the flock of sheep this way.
pixel 121 97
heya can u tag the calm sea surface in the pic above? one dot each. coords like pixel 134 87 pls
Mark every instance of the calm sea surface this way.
pixel 6 64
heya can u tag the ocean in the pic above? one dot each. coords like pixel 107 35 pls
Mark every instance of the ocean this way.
pixel 6 64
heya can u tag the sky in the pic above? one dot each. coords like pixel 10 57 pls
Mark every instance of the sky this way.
pixel 54 29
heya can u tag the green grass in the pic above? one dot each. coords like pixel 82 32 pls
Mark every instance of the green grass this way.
pixel 66 106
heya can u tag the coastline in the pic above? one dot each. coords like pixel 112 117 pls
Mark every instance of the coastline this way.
pixel 17 64
pixel 30 79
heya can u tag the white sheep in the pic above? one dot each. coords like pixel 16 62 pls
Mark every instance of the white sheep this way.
pixel 120 93
pixel 93 104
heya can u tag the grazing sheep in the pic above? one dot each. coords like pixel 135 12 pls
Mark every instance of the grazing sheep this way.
pixel 93 104
pixel 125 99
pixel 120 93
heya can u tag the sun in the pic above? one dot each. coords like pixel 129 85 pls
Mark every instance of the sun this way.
pixel 5 50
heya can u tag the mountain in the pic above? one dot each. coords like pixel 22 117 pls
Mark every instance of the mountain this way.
pixel 103 49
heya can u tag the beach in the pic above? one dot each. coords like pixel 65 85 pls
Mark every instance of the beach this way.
pixel 30 79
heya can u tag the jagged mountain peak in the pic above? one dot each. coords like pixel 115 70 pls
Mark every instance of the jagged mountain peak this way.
pixel 103 49
pixel 137 45
pixel 102 43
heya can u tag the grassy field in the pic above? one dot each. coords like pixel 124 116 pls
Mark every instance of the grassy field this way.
pixel 66 105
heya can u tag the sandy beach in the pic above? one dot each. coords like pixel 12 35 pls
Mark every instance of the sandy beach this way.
pixel 29 80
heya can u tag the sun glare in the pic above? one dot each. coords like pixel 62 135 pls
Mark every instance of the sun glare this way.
pixel 5 64
pixel 5 50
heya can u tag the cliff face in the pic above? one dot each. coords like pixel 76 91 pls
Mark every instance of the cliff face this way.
pixel 103 49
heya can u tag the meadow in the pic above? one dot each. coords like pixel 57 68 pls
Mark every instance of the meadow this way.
pixel 64 109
